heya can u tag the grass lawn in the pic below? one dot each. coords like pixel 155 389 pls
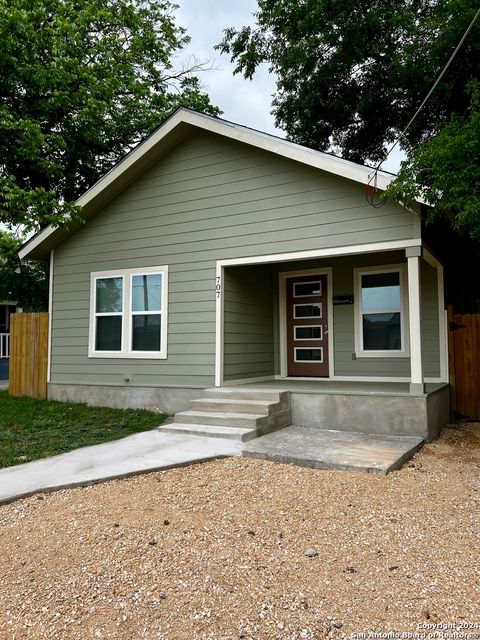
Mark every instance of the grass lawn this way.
pixel 32 429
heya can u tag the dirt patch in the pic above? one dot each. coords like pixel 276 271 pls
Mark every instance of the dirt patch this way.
pixel 459 443
pixel 217 551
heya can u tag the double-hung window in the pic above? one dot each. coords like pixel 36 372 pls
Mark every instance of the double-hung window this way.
pixel 381 312
pixel 128 315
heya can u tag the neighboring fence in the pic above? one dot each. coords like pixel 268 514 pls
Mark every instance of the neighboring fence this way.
pixel 28 355
pixel 464 363
pixel 4 345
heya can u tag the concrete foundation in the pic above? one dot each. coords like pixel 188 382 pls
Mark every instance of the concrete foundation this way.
pixel 400 415
pixel 165 399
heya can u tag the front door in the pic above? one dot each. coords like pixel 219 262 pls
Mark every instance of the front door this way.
pixel 307 326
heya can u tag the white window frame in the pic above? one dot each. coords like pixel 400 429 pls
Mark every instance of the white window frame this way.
pixel 404 352
pixel 127 313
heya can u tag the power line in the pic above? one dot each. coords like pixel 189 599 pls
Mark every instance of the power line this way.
pixel 440 76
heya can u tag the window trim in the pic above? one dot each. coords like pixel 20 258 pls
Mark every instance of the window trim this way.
pixel 127 314
pixel 404 352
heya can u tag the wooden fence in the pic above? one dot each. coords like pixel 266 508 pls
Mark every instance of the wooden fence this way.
pixel 28 355
pixel 464 363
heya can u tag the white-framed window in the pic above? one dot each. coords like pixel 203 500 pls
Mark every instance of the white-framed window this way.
pixel 128 313
pixel 381 311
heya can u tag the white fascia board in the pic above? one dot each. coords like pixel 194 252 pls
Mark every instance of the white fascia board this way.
pixel 35 241
pixel 317 159
pixel 287 149
pixel 131 158
pixel 344 250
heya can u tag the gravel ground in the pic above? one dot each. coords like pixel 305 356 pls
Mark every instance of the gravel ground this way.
pixel 217 551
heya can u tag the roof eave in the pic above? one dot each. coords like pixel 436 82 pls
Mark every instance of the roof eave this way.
pixel 168 135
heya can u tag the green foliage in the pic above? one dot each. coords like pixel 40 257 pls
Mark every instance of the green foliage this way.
pixel 25 283
pixel 445 171
pixel 351 74
pixel 81 82
pixel 32 429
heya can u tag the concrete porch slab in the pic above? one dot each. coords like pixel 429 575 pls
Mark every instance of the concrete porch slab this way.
pixel 366 407
pixel 339 387
pixel 340 450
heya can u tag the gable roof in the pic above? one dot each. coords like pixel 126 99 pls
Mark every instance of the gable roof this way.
pixel 168 135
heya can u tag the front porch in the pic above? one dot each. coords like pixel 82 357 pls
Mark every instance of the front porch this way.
pixel 352 387
pixel 278 422
pixel 387 408
pixel 375 316
pixel 356 335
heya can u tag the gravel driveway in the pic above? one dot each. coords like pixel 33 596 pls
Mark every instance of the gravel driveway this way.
pixel 216 551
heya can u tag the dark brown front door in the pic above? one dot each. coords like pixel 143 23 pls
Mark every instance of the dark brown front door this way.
pixel 307 326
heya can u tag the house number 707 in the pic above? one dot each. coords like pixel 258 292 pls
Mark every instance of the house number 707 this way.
pixel 218 286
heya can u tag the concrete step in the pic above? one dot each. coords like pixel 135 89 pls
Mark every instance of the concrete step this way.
pixel 211 431
pixel 218 418
pixel 229 405
pixel 337 450
pixel 242 393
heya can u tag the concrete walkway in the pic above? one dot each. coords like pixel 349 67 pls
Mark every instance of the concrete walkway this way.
pixel 340 450
pixel 157 449
pixel 142 452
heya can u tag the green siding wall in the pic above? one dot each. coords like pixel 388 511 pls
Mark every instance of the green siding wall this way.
pixel 430 321
pixel 249 341
pixel 208 199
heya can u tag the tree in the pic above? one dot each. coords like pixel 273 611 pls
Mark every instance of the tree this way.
pixel 26 283
pixel 445 171
pixel 351 74
pixel 81 82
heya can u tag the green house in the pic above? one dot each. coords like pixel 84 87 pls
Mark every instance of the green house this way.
pixel 214 255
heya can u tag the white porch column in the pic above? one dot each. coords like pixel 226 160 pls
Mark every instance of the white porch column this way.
pixel 415 320
pixel 219 324
pixel 442 325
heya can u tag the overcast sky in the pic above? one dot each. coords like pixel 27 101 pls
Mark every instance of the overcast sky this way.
pixel 242 101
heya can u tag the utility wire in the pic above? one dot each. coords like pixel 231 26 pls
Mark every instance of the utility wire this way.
pixel 442 73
